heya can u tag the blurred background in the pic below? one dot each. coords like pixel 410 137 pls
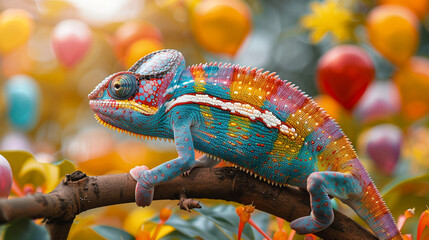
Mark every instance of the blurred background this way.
pixel 365 62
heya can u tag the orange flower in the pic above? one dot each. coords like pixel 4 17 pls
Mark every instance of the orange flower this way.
pixel 244 215
pixel 423 227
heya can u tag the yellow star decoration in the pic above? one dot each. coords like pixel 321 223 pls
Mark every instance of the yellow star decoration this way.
pixel 329 17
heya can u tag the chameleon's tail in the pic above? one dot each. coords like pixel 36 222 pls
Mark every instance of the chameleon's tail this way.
pixel 371 208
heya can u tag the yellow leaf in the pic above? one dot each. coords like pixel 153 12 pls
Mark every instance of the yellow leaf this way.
pixel 136 219
pixel 26 169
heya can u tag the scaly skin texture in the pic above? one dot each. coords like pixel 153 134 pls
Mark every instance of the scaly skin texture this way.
pixel 249 118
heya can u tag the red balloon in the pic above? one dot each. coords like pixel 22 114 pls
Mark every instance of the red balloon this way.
pixel 344 72
pixel 71 40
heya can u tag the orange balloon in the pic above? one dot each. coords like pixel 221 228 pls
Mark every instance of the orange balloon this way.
pixel 15 62
pixel 413 83
pixel 130 32
pixel 140 49
pixel 393 31
pixel 419 7
pixel 332 107
pixel 220 26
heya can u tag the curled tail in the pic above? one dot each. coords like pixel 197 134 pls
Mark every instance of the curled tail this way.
pixel 371 207
pixel 353 187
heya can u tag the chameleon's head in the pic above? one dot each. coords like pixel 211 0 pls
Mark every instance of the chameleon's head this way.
pixel 127 99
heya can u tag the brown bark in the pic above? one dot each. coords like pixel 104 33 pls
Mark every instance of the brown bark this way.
pixel 79 193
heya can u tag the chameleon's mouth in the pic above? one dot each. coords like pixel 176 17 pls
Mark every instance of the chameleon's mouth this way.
pixel 120 130
pixel 122 104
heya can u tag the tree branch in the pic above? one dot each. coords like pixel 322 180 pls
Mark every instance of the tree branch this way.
pixel 79 193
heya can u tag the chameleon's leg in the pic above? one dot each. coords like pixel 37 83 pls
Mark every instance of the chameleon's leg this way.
pixel 201 162
pixel 205 161
pixel 320 185
pixel 147 179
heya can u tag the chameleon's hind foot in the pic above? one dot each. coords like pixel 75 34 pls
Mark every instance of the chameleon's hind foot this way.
pixel 307 225
pixel 321 185
pixel 202 162
pixel 144 188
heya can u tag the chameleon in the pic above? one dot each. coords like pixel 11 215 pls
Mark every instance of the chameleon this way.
pixel 247 117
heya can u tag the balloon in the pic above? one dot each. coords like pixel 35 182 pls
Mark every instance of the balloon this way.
pixel 140 49
pixel 380 101
pixel 15 29
pixel 15 62
pixel 22 98
pixel 416 147
pixel 221 26
pixel 383 145
pixel 130 32
pixel 344 72
pixel 70 40
pixel 413 83
pixel 5 177
pixel 393 31
pixel 16 141
pixel 419 7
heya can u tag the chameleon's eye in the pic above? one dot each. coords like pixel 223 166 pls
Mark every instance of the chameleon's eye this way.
pixel 123 87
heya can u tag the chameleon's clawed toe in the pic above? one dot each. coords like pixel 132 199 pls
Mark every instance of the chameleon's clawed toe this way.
pixel 186 174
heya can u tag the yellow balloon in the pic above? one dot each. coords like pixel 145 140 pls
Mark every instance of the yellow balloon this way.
pixel 15 29
pixel 141 48
pixel 393 31
pixel 220 26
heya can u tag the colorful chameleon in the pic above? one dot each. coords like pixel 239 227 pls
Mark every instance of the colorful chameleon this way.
pixel 249 118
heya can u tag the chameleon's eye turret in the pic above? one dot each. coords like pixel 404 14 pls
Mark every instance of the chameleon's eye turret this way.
pixel 123 86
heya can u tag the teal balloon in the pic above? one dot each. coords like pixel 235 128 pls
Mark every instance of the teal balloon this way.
pixel 23 102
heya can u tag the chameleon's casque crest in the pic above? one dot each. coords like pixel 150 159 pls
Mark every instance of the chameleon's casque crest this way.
pixel 145 83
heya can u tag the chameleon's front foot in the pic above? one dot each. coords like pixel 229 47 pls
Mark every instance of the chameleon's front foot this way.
pixel 144 188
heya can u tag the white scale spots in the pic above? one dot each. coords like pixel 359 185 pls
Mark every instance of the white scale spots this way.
pixel 247 110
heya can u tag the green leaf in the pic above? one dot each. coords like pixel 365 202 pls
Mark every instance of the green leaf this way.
pixel 402 194
pixel 174 235
pixel 112 233
pixel 194 227
pixel 226 218
pixel 2 228
pixel 25 229
pixel 220 222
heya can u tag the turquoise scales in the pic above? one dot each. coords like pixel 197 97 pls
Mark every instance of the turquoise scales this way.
pixel 247 117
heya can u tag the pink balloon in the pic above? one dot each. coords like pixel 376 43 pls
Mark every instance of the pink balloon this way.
pixel 380 101
pixel 5 177
pixel 383 145
pixel 71 40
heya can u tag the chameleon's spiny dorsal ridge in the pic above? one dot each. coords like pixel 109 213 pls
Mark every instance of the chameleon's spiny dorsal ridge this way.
pixel 248 117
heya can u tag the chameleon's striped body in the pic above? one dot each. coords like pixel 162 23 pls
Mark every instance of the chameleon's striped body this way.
pixel 251 119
